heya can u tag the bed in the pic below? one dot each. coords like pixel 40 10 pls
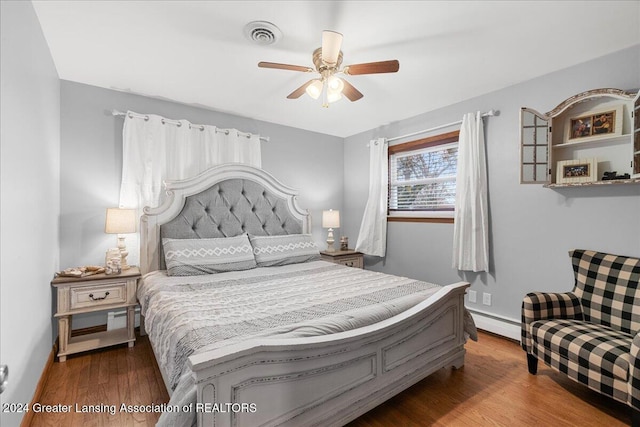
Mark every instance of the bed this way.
pixel 291 340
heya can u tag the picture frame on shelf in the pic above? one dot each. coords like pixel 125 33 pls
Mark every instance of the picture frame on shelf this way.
pixel 594 125
pixel 580 127
pixel 577 171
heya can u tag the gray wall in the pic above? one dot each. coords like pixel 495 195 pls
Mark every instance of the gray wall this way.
pixel 531 227
pixel 91 161
pixel 30 156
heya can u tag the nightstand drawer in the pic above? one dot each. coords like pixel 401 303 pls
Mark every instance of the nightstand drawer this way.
pixel 348 257
pixel 93 296
pixel 351 262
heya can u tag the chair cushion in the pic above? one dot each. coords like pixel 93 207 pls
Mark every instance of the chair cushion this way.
pixel 602 350
pixel 607 286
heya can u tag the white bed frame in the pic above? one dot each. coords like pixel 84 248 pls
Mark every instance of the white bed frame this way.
pixel 325 380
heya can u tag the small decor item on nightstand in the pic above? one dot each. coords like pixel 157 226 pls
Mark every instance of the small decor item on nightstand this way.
pixel 111 254
pixel 330 220
pixel 344 243
pixel 114 265
pixel 88 270
pixel 120 222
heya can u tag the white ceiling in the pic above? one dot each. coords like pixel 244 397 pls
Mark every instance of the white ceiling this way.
pixel 194 52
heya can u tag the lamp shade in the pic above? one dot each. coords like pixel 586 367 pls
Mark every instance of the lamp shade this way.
pixel 314 90
pixel 335 84
pixel 330 219
pixel 333 96
pixel 120 221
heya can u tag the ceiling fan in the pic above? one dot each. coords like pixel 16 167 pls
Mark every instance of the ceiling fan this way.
pixel 327 60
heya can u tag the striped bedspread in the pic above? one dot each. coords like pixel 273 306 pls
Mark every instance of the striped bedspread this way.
pixel 185 315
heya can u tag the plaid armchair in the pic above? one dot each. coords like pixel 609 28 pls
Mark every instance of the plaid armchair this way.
pixel 591 334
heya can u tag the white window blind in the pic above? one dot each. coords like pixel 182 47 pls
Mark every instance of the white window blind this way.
pixel 423 181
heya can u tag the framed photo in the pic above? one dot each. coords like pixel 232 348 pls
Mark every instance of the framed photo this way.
pixel 581 127
pixel 576 171
pixel 593 125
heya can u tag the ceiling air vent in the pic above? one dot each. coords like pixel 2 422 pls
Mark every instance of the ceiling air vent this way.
pixel 262 32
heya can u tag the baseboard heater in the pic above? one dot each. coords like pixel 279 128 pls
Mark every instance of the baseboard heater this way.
pixel 118 319
pixel 499 325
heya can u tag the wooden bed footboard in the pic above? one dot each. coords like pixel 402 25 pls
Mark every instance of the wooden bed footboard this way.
pixel 332 379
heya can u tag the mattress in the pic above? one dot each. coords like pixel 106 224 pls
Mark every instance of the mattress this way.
pixel 193 314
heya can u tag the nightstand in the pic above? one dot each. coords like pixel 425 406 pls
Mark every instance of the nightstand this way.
pixel 99 292
pixel 350 258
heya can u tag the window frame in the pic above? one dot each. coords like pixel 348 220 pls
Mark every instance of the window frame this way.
pixel 444 216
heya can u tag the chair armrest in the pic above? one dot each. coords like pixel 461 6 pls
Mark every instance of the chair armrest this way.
pixel 634 373
pixel 541 306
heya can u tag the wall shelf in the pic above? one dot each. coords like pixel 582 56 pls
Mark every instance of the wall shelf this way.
pixel 586 135
pixel 596 183
pixel 615 139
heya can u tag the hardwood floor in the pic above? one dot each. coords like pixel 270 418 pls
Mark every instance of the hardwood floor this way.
pixel 493 388
pixel 104 377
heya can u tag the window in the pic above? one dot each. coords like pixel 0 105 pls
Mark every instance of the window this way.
pixel 422 179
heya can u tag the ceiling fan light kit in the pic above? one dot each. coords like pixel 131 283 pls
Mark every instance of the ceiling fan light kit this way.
pixel 314 90
pixel 327 61
pixel 335 83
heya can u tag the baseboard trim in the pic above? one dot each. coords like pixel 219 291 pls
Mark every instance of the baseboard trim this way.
pixel 42 382
pixel 495 324
pixel 118 319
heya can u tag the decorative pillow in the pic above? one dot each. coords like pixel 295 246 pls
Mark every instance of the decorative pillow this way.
pixel 284 249
pixel 193 257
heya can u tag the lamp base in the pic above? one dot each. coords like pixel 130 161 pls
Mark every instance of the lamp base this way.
pixel 330 241
pixel 125 265
pixel 123 253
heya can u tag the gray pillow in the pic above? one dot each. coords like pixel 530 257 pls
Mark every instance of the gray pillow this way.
pixel 193 257
pixel 284 249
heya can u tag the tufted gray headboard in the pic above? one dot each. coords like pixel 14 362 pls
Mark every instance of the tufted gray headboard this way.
pixel 224 201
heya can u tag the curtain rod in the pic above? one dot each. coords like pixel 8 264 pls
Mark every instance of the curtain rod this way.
pixel 175 122
pixel 487 114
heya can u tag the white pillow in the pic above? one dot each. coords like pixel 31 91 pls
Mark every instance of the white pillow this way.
pixel 284 249
pixel 192 257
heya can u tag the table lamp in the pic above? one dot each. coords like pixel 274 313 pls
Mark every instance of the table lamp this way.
pixel 330 220
pixel 120 222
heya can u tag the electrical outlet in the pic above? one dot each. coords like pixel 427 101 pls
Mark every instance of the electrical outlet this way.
pixel 486 298
pixel 472 296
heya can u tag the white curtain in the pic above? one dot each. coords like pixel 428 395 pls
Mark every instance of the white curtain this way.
pixel 471 230
pixel 156 149
pixel 372 239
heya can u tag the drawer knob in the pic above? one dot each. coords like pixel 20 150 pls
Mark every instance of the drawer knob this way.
pixel 99 298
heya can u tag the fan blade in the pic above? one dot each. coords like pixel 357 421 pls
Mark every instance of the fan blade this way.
pixel 351 92
pixel 331 44
pixel 373 68
pixel 285 67
pixel 298 92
